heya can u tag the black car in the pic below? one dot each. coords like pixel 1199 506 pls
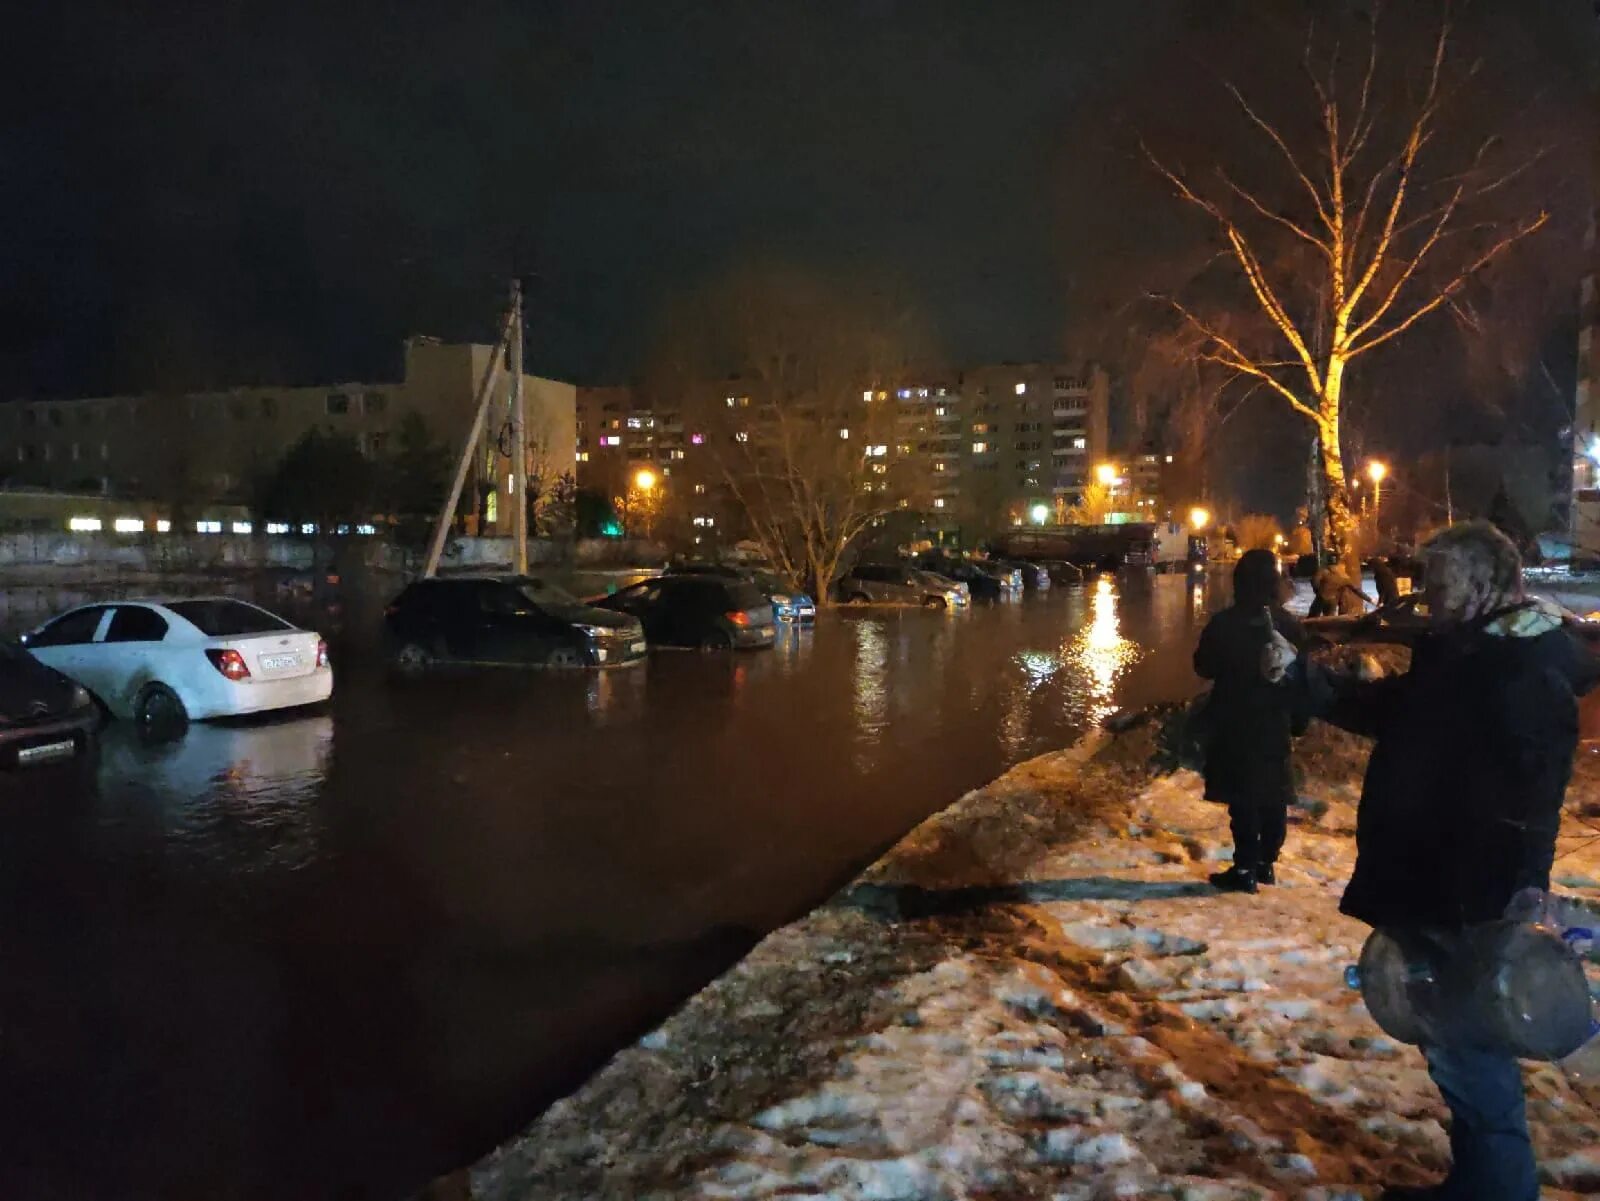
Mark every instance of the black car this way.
pixel 44 717
pixel 789 604
pixel 505 620
pixel 982 584
pixel 1035 577
pixel 705 611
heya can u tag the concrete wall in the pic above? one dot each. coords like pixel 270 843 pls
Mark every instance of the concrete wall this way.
pixel 33 554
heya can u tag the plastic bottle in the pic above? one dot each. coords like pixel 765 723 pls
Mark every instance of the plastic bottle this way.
pixel 1510 986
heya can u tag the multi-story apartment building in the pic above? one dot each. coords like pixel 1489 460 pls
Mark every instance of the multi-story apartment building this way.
pixel 987 443
pixel 211 446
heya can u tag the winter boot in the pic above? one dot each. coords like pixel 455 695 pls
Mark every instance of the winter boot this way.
pixel 1266 874
pixel 1235 879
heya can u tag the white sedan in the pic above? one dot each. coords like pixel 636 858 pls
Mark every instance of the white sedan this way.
pixel 165 661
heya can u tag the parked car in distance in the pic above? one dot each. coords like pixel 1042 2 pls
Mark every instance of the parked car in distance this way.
pixel 705 611
pixel 504 621
pixel 1034 576
pixel 982 584
pixel 789 604
pixel 44 717
pixel 900 584
pixel 164 662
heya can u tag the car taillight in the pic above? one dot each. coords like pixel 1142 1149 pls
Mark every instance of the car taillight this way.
pixel 230 663
pixel 739 617
pixel 322 653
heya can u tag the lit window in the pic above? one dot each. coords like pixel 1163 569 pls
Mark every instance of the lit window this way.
pixel 938 410
pixel 277 527
pixel 867 395
pixel 84 525
pixel 938 466
pixel 730 401
pixel 128 525
pixel 844 433
pixel 878 451
pixel 697 439
pixel 208 527
pixel 583 456
pixel 978 448
pixel 699 489
pixel 879 468
pixel 744 402
pixel 1082 444
pixel 938 502
pixel 366 529
pixel 1169 458
pixel 611 440
pixel 163 526
pixel 1021 388
pixel 904 393
pixel 309 527
pixel 742 436
pixel 242 527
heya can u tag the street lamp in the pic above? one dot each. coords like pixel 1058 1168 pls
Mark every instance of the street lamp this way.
pixel 1106 473
pixel 1376 470
pixel 1040 514
pixel 1199 518
pixel 644 479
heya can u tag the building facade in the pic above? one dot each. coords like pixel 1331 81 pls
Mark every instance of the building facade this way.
pixel 210 447
pixel 987 444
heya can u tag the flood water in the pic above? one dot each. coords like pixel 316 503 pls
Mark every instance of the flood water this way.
pixel 336 955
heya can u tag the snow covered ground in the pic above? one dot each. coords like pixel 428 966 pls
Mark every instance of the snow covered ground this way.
pixel 1036 994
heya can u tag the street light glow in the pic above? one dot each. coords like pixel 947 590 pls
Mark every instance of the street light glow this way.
pixel 1040 514
pixel 1377 470
pixel 644 479
pixel 1106 473
pixel 1199 518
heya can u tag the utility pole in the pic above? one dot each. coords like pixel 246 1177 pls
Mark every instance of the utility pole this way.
pixel 441 529
pixel 519 437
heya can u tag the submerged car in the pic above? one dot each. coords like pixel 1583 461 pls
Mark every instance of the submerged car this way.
pixel 1034 576
pixel 504 621
pixel 982 584
pixel 44 717
pixel 900 584
pixel 710 612
pixel 789 604
pixel 170 661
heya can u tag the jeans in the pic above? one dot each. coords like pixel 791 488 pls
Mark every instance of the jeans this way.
pixel 1258 831
pixel 1491 1156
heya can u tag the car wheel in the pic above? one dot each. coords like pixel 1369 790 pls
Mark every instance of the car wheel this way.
pixel 717 640
pixel 935 602
pixel 413 659
pixel 159 712
pixel 564 656
pixel 857 598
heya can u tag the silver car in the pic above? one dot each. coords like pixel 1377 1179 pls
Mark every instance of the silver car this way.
pixel 898 584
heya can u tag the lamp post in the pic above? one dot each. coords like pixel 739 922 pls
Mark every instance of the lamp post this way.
pixel 1199 518
pixel 1106 473
pixel 1376 470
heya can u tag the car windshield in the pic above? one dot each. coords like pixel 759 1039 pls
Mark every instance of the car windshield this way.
pixel 770 582
pixel 227 618
pixel 543 592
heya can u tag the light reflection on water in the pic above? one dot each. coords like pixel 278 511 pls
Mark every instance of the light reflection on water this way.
pixel 552 825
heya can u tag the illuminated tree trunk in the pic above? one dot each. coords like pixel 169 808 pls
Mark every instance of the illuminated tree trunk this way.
pixel 1336 495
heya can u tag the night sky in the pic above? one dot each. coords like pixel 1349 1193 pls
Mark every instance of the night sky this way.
pixel 230 193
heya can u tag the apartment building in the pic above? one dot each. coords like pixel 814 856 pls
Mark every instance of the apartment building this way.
pixel 988 443
pixel 211 446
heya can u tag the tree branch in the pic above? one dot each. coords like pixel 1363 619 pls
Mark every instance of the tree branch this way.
pixel 1271 131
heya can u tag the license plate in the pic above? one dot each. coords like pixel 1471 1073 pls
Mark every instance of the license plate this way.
pixel 279 662
pixel 636 648
pixel 50 752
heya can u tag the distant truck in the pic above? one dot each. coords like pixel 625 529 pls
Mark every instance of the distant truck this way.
pixel 1176 548
pixel 1100 547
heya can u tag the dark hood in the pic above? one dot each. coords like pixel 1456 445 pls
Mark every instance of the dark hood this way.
pixel 590 616
pixel 25 683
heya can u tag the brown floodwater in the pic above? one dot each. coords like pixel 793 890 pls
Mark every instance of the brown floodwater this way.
pixel 336 954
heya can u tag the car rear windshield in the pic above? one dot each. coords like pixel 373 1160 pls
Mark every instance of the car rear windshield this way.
pixel 228 618
pixel 543 592
pixel 746 596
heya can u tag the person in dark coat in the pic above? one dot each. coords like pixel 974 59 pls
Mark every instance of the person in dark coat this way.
pixel 1386 582
pixel 1249 721
pixel 1462 802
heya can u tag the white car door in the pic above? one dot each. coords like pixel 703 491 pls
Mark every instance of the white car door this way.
pixel 62 643
pixel 125 655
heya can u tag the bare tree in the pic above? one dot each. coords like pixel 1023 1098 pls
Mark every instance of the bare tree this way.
pixel 1379 226
pixel 1095 505
pixel 797 382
